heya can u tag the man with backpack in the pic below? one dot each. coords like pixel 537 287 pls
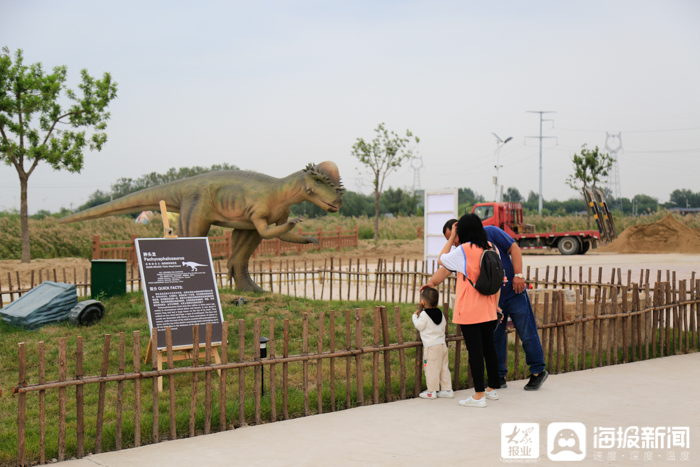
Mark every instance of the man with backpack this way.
pixel 514 302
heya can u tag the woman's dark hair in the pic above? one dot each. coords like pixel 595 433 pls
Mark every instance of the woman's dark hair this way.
pixel 470 229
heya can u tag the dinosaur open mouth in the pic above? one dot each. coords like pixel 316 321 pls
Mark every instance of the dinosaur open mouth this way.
pixel 332 208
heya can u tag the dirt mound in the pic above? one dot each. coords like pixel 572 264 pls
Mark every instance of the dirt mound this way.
pixel 668 235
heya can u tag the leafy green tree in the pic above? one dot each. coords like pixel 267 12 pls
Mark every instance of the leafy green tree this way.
pixel 684 198
pixel 466 198
pixel 36 127
pixel 398 202
pixel 512 195
pixel 589 168
pixel 645 204
pixel 382 156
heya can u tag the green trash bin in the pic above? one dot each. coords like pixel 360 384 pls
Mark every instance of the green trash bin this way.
pixel 108 278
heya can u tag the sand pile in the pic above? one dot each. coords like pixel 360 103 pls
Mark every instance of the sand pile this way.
pixel 665 236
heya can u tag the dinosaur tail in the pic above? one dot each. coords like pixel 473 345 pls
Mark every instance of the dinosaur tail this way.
pixel 143 200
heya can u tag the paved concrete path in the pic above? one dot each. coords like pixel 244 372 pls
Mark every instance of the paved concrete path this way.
pixel 662 392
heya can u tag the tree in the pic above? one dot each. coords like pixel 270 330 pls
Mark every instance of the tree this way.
pixel 645 204
pixel 589 168
pixel 513 195
pixel 684 199
pixel 399 202
pixel 30 115
pixel 383 155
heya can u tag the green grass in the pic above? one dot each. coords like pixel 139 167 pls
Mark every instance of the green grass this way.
pixel 127 314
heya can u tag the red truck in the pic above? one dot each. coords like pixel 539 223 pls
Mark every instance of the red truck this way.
pixel 509 217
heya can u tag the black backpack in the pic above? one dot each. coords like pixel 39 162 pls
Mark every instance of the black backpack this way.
pixel 492 274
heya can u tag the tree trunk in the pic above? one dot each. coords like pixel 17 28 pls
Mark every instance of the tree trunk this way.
pixel 376 217
pixel 24 219
pixel 588 209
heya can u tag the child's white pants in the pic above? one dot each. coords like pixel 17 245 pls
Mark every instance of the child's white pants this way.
pixel 437 371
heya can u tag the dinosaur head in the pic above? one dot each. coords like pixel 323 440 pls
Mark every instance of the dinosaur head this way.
pixel 323 186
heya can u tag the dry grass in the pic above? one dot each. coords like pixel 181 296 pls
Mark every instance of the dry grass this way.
pixel 49 239
pixel 566 223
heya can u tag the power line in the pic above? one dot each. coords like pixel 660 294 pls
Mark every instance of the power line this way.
pixel 629 131
pixel 666 151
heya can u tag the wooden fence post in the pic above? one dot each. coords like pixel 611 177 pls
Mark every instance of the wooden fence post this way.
pixel 21 404
pixel 131 257
pixel 387 355
pixel 358 357
pixel 95 247
pixel 222 380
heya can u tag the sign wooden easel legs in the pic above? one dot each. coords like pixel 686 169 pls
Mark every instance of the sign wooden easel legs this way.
pixel 184 353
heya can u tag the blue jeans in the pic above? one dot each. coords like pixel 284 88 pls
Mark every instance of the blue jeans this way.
pixel 520 311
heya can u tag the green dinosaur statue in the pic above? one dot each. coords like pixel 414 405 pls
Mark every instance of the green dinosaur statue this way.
pixel 256 206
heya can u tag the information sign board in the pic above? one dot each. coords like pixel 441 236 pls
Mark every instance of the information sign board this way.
pixel 179 287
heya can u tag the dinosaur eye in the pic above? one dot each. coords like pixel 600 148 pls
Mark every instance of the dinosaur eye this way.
pixel 318 182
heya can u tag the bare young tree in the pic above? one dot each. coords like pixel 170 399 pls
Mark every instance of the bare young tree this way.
pixel 590 167
pixel 382 156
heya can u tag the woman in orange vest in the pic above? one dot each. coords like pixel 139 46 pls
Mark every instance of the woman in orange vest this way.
pixel 475 313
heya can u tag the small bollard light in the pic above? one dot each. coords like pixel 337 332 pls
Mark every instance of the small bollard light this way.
pixel 263 346
pixel 263 354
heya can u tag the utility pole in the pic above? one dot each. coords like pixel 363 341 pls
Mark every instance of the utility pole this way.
pixel 541 112
pixel 613 144
pixel 496 181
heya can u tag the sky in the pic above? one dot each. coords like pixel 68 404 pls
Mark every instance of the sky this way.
pixel 271 86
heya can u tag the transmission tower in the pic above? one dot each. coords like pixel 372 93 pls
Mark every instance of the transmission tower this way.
pixel 613 144
pixel 541 112
pixel 359 184
pixel 417 166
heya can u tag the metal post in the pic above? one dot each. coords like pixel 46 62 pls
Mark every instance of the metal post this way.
pixel 499 145
pixel 540 138
pixel 540 201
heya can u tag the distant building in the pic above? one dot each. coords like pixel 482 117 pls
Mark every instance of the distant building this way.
pixel 685 211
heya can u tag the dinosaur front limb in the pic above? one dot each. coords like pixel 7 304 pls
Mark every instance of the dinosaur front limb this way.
pixel 267 231
pixel 292 237
pixel 244 243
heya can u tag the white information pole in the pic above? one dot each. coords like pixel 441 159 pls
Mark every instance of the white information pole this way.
pixel 440 206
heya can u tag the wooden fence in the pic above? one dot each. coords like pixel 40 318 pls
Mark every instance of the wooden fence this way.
pixel 619 325
pixel 355 279
pixel 221 246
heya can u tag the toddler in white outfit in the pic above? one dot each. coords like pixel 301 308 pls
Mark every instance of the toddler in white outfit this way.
pixel 431 323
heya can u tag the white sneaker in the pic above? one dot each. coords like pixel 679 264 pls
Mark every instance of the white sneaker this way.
pixel 446 394
pixel 428 395
pixel 492 396
pixel 471 402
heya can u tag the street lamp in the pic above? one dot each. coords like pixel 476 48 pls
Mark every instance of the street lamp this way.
pixel 263 354
pixel 499 145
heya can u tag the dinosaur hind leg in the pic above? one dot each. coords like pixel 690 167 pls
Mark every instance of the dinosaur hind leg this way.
pixel 243 244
